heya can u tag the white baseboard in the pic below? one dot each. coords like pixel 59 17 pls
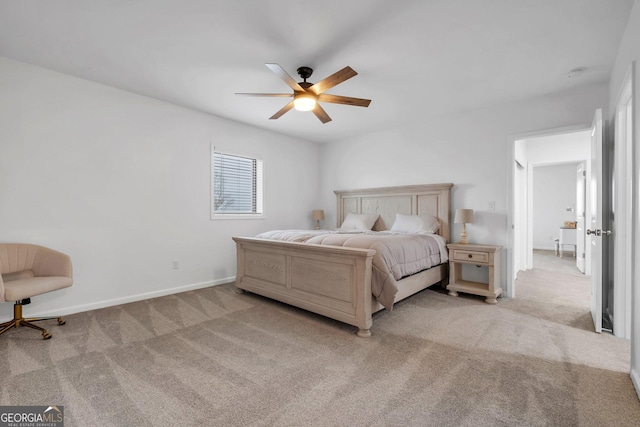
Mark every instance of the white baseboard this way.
pixel 635 379
pixel 124 300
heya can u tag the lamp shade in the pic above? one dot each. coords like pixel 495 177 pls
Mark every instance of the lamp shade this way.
pixel 463 216
pixel 317 214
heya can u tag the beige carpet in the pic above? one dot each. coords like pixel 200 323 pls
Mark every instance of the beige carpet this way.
pixel 215 358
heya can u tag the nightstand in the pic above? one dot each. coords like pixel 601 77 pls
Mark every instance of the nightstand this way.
pixel 481 255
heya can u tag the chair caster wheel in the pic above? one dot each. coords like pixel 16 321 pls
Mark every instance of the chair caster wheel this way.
pixel 61 321
pixel 46 336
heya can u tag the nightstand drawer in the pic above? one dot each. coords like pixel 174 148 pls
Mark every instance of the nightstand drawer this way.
pixel 471 256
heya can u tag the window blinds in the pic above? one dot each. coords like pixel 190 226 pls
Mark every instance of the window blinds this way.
pixel 237 186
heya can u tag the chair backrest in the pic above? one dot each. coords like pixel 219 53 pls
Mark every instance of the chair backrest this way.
pixel 41 261
pixel 22 261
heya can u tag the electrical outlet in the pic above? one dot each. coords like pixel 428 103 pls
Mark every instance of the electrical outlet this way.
pixel 492 205
pixel 176 264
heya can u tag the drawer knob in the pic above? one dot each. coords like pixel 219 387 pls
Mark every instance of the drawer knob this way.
pixel 470 256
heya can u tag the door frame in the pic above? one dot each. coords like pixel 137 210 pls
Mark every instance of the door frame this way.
pixel 622 225
pixel 521 242
pixel 510 291
pixel 597 218
pixel 635 290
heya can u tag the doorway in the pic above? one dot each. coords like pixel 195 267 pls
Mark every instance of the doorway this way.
pixel 560 146
pixel 556 203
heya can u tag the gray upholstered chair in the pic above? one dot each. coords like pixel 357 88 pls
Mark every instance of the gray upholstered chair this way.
pixel 29 270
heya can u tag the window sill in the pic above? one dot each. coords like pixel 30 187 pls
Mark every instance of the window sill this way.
pixel 236 216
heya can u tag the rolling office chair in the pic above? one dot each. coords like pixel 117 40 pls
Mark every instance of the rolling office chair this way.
pixel 27 271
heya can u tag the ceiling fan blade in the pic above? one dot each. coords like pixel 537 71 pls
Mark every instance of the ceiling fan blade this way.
pixel 266 94
pixel 321 114
pixel 333 80
pixel 283 110
pixel 280 72
pixel 346 100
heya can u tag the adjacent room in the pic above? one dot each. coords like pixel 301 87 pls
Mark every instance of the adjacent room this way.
pixel 155 158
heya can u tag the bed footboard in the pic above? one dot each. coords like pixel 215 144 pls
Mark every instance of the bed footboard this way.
pixel 328 280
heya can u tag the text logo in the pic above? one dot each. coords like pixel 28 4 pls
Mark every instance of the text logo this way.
pixel 32 416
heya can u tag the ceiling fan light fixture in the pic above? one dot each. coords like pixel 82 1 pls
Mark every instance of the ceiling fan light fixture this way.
pixel 304 102
pixel 308 96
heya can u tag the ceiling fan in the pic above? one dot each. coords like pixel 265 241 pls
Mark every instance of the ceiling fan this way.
pixel 306 96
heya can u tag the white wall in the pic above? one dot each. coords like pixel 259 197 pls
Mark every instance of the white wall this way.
pixel 554 191
pixel 567 147
pixel 120 182
pixel 628 52
pixel 468 149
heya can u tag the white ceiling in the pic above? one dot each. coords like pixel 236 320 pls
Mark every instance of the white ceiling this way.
pixel 416 59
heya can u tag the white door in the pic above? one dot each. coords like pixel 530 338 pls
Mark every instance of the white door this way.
pixel 595 222
pixel 580 214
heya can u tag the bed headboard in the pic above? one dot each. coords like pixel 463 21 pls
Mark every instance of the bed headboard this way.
pixel 433 199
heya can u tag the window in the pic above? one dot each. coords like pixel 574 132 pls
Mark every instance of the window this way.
pixel 236 186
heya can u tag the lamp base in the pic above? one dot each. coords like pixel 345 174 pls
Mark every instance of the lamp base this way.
pixel 463 235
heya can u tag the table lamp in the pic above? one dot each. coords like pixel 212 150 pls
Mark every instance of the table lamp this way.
pixel 464 217
pixel 317 215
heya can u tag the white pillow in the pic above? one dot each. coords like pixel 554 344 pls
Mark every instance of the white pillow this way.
pixel 415 224
pixel 358 222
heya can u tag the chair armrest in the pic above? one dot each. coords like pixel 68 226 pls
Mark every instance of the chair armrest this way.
pixel 48 262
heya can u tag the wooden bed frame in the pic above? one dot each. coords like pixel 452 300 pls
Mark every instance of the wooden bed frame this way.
pixel 336 281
